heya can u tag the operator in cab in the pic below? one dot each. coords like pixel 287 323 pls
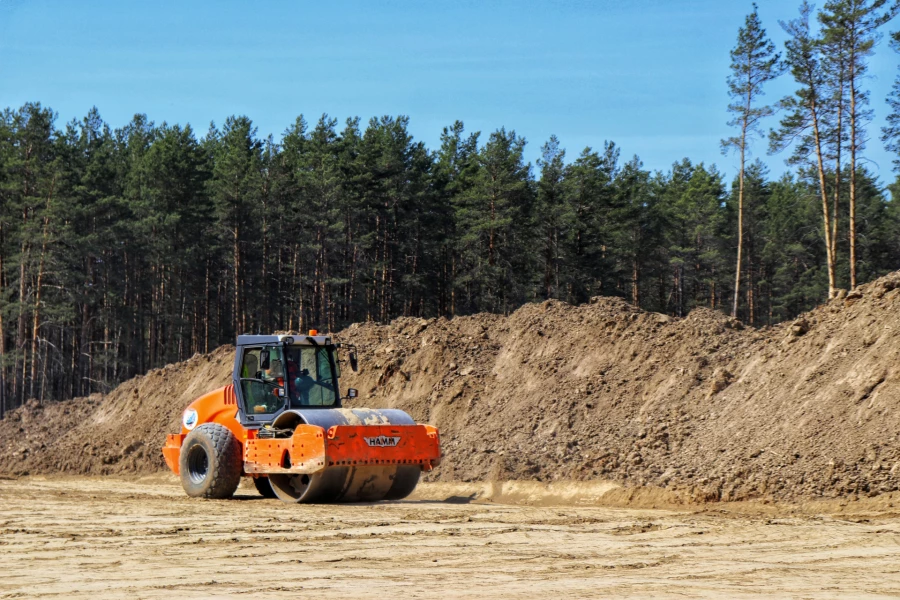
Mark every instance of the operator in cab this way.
pixel 301 386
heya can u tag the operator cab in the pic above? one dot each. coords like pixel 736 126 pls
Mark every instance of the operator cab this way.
pixel 274 373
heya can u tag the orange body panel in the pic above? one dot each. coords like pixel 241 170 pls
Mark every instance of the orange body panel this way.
pixel 303 452
pixel 218 406
pixel 383 444
pixel 311 449
pixel 172 450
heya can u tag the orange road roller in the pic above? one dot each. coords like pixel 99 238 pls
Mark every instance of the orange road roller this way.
pixel 280 422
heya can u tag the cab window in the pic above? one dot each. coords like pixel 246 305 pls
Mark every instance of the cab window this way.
pixel 311 381
pixel 262 377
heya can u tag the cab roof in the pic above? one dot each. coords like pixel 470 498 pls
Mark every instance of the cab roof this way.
pixel 297 339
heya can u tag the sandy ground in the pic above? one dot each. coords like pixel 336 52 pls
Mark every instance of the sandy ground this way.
pixel 115 538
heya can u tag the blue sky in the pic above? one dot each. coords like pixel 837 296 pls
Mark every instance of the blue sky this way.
pixel 647 74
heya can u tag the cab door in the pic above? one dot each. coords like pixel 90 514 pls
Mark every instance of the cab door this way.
pixel 259 384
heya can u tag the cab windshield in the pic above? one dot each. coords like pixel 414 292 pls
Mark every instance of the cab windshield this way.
pixel 310 376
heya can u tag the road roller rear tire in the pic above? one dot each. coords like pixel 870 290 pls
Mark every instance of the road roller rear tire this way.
pixel 264 487
pixel 210 462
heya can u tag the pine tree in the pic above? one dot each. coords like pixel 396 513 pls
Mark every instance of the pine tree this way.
pixel 32 188
pixel 852 26
pixel 453 175
pixel 96 231
pixel 294 225
pixel 805 125
pixel 394 186
pixel 318 178
pixel 555 214
pixel 494 221
pixel 590 185
pixel 7 133
pixel 235 190
pixel 696 237
pixel 756 193
pixel 754 62
pixel 792 252
pixel 173 218
pixel 134 141
pixel 637 237
pixel 353 176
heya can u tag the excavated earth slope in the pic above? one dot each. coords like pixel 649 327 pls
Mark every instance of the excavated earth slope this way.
pixel 700 406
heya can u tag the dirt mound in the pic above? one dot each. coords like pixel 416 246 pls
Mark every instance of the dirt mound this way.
pixel 700 406
pixel 121 432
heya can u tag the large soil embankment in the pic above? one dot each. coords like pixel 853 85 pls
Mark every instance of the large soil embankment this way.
pixel 700 405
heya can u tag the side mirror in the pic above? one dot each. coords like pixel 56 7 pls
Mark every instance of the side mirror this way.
pixel 352 393
pixel 353 363
pixel 264 360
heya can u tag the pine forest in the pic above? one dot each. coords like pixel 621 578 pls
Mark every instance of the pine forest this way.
pixel 123 250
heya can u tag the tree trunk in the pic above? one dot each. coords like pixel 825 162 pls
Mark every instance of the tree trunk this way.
pixel 556 261
pixel 837 168
pixel 236 249
pixel 829 248
pixel 548 265
pixel 740 248
pixel 853 134
pixel 19 381
pixel 2 335
pixel 453 285
pixel 491 232
pixel 264 284
pixel 354 256
pixel 206 311
pixel 36 321
pixel 751 296
pixel 43 385
pixel 635 279
pixel 84 351
pixel 382 311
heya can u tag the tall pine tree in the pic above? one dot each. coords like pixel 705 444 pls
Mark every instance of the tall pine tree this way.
pixel 754 62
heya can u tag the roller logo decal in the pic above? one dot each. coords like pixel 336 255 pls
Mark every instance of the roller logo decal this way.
pixel 382 441
pixel 189 420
